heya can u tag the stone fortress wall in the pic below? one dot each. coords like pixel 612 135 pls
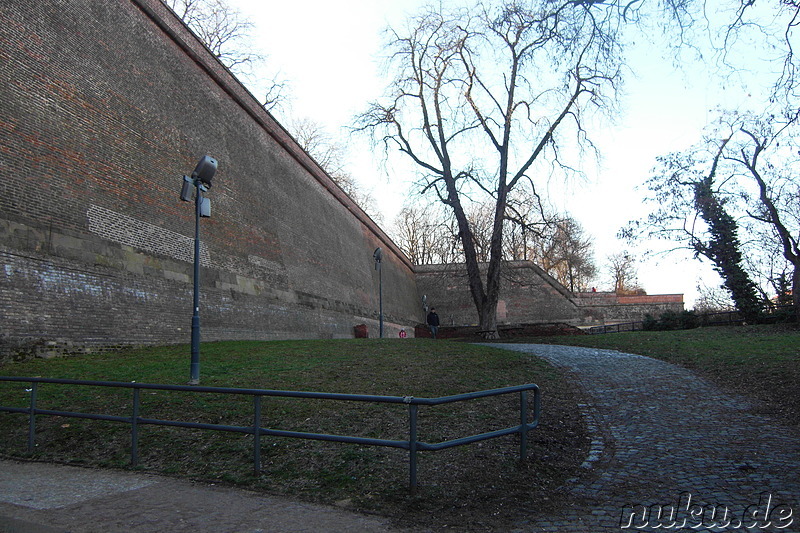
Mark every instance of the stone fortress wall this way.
pixel 105 106
pixel 528 295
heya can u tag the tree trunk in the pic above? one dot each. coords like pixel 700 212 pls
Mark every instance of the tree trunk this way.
pixel 487 311
pixel 488 321
pixel 484 296
pixel 796 292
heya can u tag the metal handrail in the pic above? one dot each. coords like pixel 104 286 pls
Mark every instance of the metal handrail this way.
pixel 703 320
pixel 616 328
pixel 413 445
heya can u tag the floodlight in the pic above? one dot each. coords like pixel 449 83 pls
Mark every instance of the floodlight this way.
pixel 205 169
pixel 186 190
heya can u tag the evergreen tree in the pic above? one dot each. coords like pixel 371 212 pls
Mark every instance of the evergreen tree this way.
pixel 723 249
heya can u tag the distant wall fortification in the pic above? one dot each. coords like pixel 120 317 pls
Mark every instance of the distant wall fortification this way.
pixel 528 295
pixel 105 106
pixel 613 308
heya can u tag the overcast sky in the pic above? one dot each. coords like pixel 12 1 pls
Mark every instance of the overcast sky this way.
pixel 331 55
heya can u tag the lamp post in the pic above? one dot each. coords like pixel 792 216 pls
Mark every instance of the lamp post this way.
pixel 377 256
pixel 201 181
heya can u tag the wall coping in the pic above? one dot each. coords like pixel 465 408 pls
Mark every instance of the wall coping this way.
pixel 610 298
pixel 179 32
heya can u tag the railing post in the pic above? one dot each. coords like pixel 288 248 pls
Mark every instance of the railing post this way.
pixel 135 428
pixel 412 446
pixel 537 404
pixel 256 434
pixel 32 417
pixel 523 424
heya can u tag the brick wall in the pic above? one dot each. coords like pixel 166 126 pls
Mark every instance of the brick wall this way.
pixel 105 106
pixel 528 295
pixel 612 308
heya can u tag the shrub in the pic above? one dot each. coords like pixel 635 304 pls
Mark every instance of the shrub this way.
pixel 650 323
pixel 671 320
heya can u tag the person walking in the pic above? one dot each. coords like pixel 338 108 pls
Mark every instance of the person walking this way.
pixel 433 322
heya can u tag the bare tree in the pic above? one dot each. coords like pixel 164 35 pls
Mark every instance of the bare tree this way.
pixel 735 199
pixel 425 233
pixel 769 25
pixel 229 37
pixel 569 255
pixel 622 267
pixel 527 223
pixel 331 155
pixel 481 103
pixel 479 218
pixel 757 181
pixel 558 244
pixel 776 202
pixel 713 300
pixel 692 207
pixel 413 233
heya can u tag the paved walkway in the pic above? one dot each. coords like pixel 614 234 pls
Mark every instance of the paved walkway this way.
pixel 46 498
pixel 670 453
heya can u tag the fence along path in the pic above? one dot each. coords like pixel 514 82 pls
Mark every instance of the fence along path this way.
pixel 527 420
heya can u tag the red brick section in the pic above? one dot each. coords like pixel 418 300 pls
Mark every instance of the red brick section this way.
pixel 105 106
pixel 645 299
pixel 650 299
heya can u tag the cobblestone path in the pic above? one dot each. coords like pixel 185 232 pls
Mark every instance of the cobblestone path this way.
pixel 671 452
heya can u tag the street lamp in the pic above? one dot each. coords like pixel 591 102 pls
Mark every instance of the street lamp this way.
pixel 377 256
pixel 201 181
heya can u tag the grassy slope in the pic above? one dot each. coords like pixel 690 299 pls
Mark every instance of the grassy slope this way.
pixel 471 487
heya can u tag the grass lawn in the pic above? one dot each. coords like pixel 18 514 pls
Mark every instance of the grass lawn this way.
pixel 762 361
pixel 480 486
pixel 477 487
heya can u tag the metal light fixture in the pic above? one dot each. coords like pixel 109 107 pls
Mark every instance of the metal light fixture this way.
pixel 377 255
pixel 201 181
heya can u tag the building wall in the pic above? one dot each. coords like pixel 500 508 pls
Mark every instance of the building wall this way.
pixel 528 295
pixel 610 308
pixel 105 106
